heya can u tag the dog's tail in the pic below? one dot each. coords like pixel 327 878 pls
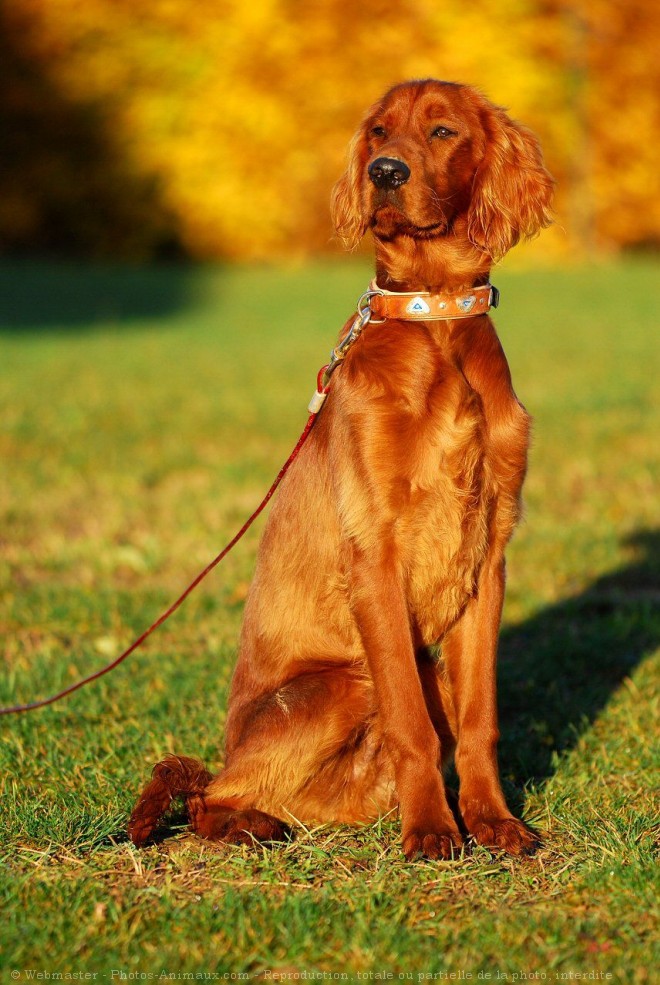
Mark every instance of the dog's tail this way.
pixel 174 776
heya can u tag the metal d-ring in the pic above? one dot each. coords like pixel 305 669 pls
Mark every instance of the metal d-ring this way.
pixel 364 316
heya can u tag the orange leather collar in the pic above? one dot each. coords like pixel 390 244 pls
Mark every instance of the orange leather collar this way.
pixel 426 306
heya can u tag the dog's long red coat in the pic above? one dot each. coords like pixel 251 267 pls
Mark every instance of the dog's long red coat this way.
pixel 388 535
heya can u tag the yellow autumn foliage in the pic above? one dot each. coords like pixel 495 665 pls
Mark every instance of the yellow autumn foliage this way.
pixel 141 128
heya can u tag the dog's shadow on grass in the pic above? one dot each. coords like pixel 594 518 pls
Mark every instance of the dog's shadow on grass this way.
pixel 558 669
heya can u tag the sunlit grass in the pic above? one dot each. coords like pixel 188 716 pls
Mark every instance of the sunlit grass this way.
pixel 144 413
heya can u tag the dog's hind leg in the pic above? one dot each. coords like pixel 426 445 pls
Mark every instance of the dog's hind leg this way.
pixel 291 752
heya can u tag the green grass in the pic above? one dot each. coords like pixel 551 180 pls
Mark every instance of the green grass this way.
pixel 144 413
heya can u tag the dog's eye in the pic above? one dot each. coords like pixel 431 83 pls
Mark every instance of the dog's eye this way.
pixel 443 133
pixel 378 132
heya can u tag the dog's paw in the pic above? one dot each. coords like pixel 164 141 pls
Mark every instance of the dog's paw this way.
pixel 505 834
pixel 246 827
pixel 153 803
pixel 238 827
pixel 432 844
pixel 140 828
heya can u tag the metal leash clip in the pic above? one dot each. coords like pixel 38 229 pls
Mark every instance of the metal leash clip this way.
pixel 337 355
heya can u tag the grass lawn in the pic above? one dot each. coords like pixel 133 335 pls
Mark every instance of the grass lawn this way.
pixel 144 413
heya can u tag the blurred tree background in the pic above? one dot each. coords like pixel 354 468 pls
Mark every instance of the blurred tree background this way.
pixel 140 129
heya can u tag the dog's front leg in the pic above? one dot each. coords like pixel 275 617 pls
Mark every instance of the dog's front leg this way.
pixel 379 604
pixel 470 655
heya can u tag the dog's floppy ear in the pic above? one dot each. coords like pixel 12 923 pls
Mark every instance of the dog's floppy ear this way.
pixel 347 203
pixel 512 191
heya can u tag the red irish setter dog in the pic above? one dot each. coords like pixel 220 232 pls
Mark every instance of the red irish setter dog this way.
pixel 369 643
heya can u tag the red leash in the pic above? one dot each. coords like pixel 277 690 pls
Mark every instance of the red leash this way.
pixel 319 395
pixel 315 404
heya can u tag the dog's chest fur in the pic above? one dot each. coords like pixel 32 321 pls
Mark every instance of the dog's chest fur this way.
pixel 411 463
pixel 445 467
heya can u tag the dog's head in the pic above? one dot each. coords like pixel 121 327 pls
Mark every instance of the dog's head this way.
pixel 436 159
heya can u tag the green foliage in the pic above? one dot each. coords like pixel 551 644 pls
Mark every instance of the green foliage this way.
pixel 144 413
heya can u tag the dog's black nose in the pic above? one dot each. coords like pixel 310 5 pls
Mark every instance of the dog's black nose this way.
pixel 387 172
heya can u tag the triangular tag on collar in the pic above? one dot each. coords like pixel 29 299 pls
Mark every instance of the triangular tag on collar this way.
pixel 466 304
pixel 418 306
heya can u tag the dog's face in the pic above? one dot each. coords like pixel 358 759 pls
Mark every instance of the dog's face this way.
pixel 436 159
pixel 435 136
